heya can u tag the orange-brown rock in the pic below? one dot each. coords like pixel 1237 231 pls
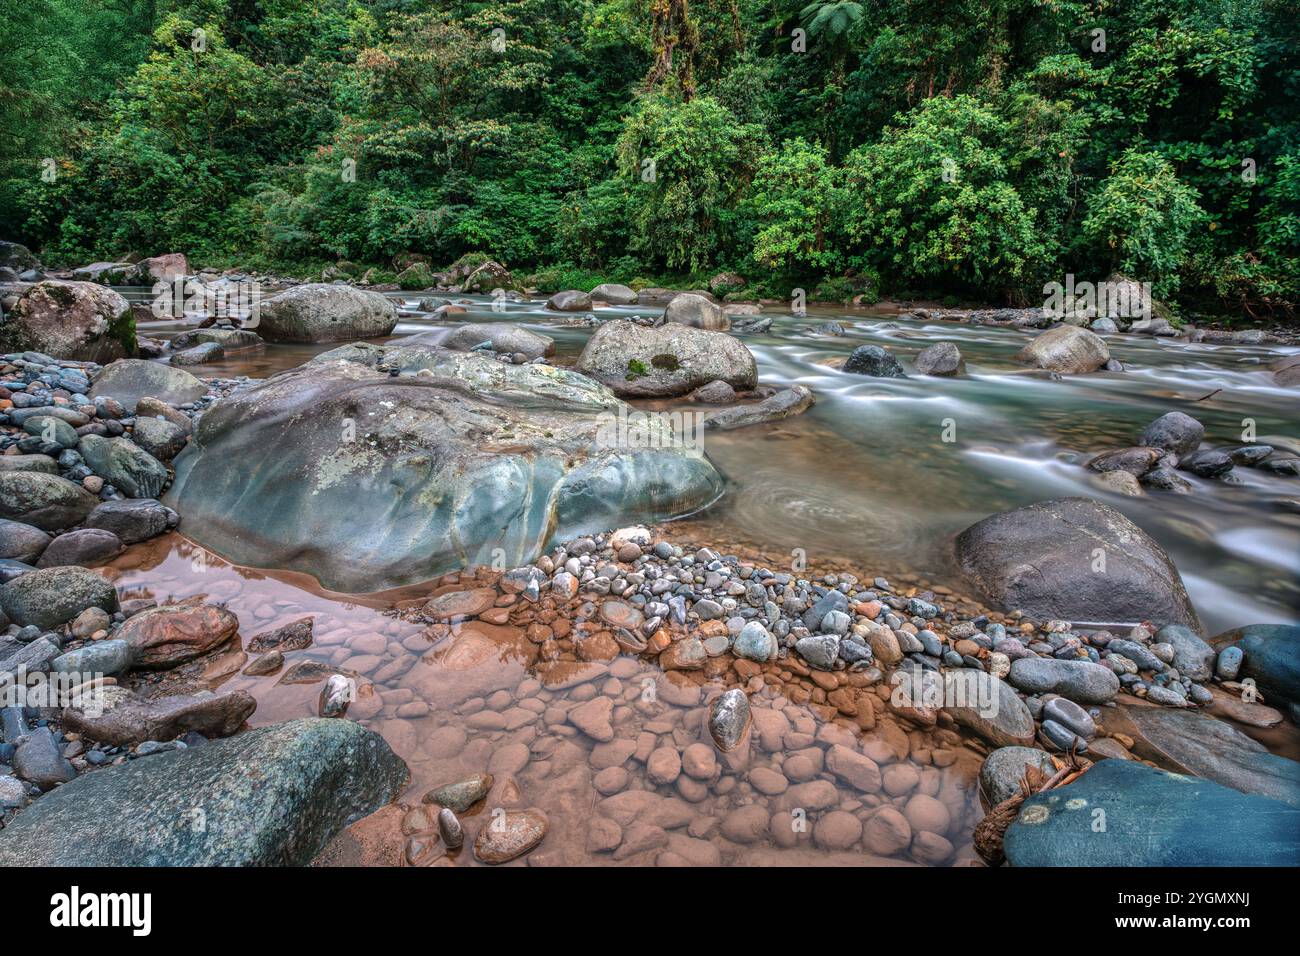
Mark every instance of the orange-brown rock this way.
pixel 165 636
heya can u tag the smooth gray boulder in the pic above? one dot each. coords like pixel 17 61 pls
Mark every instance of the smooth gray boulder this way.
pixel 325 312
pixel 1081 681
pixel 504 337
pixel 673 359
pixel 1067 349
pixel 273 796
pixel 697 312
pixel 1175 432
pixel 130 380
pixel 571 300
pixel 369 481
pixel 48 502
pixel 85 547
pixel 52 596
pixel 941 358
pixel 133 519
pixel 69 320
pixel 614 294
pixel 1074 559
pixel 1193 657
pixel 1152 818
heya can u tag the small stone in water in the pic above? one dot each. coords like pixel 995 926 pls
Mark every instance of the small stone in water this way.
pixel 335 696
pixel 729 719
pixel 449 828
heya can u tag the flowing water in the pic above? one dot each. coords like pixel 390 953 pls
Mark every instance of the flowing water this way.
pixel 877 477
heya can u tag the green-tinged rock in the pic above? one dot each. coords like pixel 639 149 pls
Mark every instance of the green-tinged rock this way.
pixel 274 796
pixel 1124 814
pixel 52 596
pixel 125 465
pixel 69 320
pixel 370 481
pixel 44 501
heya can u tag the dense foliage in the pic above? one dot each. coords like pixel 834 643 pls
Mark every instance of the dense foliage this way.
pixel 964 148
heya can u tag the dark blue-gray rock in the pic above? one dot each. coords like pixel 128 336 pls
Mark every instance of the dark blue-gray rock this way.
pixel 1249 456
pixel 1151 818
pixel 874 361
pixel 325 312
pixel 471 462
pixel 1207 463
pixel 1069 714
pixel 984 704
pixel 1045 558
pixel 1079 680
pixel 637 361
pixel 85 547
pixel 274 796
pixel 1187 741
pixel 1175 432
pixel 830 601
pixel 942 358
pixel 22 542
pixel 39 760
pixel 1166 479
pixel 1063 737
pixel 50 597
pixel 1193 657
pixel 1137 653
pixel 129 380
pixel 1136 461
pixel 201 354
pixel 48 502
pixel 1228 664
pixel 124 464
pixel 1270 657
pixel 133 519
pixel 780 404
pixel 1003 769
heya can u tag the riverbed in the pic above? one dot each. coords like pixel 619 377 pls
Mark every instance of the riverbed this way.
pixel 875 479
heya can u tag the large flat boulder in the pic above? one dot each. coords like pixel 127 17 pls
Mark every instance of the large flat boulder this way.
pixel 1075 559
pixel 369 480
pixel 325 312
pixel 130 380
pixel 673 359
pixel 1123 814
pixel 81 321
pixel 1185 741
pixel 274 796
